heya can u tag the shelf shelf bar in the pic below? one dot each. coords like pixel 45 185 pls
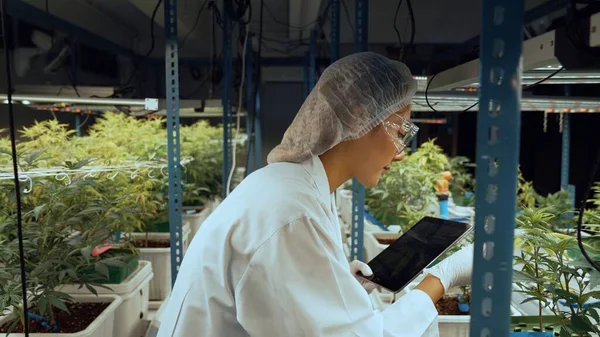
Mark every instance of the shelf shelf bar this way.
pixel 173 137
pixel 498 130
pixel 358 190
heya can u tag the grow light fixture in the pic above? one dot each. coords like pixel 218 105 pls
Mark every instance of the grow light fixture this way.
pixel 459 101
pixel 595 30
pixel 148 104
pixel 429 120
pixel 538 52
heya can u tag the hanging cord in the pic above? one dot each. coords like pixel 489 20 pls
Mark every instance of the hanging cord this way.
pixel 238 112
pixel 585 254
pixel 13 145
pixel 471 107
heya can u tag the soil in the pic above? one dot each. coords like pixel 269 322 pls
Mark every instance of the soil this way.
pixel 449 306
pixel 141 243
pixel 80 317
pixel 386 241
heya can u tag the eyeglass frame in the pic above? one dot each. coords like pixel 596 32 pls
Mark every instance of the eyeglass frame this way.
pixel 409 129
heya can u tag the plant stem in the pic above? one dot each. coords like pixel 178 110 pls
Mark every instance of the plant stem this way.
pixel 539 286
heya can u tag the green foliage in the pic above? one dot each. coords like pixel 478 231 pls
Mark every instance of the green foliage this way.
pixel 462 182
pixel 404 193
pixel 63 220
pixel 61 226
pixel 547 261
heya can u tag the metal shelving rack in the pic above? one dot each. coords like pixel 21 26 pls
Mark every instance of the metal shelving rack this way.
pixel 498 132
pixel 173 140
pixel 361 44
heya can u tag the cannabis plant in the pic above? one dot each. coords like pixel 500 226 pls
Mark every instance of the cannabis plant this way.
pixel 554 275
pixel 406 192
pixel 60 229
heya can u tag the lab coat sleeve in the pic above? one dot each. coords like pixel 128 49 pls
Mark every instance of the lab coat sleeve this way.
pixel 299 284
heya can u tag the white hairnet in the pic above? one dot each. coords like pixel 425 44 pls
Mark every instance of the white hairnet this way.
pixel 353 96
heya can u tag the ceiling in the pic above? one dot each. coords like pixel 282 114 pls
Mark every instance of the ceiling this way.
pixel 127 22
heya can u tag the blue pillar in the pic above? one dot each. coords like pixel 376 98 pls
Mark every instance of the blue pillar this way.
pixel 358 190
pixel 227 74
pixel 565 153
pixel 250 107
pixel 78 125
pixel 305 84
pixel 498 131
pixel 257 133
pixel 173 139
pixel 312 61
pixel 335 30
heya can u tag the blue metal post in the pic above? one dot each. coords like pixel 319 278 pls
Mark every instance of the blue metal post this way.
pixel 305 84
pixel 227 74
pixel 335 30
pixel 312 61
pixel 257 133
pixel 498 130
pixel 358 190
pixel 565 153
pixel 77 125
pixel 173 143
pixel 250 106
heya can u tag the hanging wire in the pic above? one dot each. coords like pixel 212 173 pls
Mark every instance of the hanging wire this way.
pixel 13 145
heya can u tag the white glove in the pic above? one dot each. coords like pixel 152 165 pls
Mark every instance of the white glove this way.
pixel 359 266
pixel 455 270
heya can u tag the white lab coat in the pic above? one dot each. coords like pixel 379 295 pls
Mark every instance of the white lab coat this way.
pixel 269 261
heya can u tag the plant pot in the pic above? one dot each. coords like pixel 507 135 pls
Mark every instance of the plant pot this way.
pixel 101 326
pixel 116 274
pixel 160 285
pixel 134 291
pixel 529 326
pixel 457 325
pixel 196 219
pixel 154 324
pixel 386 238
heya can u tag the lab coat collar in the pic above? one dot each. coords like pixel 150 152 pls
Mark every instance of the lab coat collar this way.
pixel 315 168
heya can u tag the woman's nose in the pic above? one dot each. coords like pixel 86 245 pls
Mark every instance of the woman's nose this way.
pixel 399 157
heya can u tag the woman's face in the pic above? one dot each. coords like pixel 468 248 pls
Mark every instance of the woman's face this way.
pixel 376 151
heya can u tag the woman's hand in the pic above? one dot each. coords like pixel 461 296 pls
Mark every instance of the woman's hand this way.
pixel 357 266
pixel 456 270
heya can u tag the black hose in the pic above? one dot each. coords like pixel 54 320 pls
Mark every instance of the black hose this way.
pixel 13 145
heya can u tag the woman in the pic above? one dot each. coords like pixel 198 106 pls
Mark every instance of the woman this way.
pixel 269 261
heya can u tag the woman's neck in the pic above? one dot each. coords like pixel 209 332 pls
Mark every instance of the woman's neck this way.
pixel 336 168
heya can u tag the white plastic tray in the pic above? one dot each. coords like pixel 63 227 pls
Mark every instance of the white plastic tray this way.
pixel 102 326
pixel 134 292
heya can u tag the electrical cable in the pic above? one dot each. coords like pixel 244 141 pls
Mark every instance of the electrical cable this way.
pixel 238 113
pixel 471 107
pixel 413 28
pixel 182 44
pixel 153 43
pixel 13 145
pixel 586 194
pixel 395 22
pixel 347 13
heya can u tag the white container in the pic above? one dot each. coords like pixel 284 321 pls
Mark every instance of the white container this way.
pixel 458 326
pixel 155 322
pixel 102 326
pixel 196 219
pixel 160 285
pixel 134 291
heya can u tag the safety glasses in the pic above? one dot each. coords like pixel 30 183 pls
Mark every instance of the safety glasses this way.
pixel 401 131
